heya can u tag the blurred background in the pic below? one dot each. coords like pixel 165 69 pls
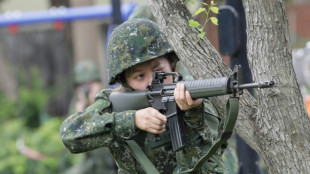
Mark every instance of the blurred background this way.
pixel 41 42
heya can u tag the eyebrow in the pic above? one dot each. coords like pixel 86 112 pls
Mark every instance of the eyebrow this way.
pixel 133 71
pixel 156 64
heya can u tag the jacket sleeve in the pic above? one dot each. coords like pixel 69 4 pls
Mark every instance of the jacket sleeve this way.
pixel 204 120
pixel 203 128
pixel 97 126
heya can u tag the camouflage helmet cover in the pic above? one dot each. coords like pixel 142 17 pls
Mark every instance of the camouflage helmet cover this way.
pixel 133 42
pixel 86 71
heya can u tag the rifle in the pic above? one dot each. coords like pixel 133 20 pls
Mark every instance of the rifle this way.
pixel 160 96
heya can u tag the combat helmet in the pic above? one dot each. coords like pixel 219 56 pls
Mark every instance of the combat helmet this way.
pixel 86 71
pixel 134 42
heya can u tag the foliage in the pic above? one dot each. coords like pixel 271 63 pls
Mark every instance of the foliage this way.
pixel 7 110
pixel 205 10
pixel 32 99
pixel 22 127
pixel 44 140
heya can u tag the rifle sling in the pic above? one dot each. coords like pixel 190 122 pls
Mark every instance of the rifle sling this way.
pixel 140 156
pixel 231 113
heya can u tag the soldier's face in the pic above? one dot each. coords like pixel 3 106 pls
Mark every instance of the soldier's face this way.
pixel 139 76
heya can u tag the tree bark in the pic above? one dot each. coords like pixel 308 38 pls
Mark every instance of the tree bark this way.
pixel 275 124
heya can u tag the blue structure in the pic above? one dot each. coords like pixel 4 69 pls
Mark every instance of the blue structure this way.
pixel 63 14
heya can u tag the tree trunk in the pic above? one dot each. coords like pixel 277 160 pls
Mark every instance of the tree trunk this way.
pixel 276 124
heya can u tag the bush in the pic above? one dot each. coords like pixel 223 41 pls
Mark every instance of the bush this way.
pixel 44 140
pixel 21 127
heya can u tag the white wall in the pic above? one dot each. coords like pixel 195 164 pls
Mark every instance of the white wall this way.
pixel 23 5
pixel 103 2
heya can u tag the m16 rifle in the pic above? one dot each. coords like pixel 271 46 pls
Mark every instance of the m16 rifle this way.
pixel 161 97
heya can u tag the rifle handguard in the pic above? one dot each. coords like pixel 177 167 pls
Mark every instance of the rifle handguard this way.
pixel 215 87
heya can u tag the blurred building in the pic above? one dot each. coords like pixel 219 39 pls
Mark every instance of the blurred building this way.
pixel 299 22
pixel 301 62
pixel 54 47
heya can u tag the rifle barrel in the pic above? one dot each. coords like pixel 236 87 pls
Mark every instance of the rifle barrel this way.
pixel 264 84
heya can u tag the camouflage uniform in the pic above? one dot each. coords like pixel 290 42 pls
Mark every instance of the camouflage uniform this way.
pixel 230 155
pixel 99 160
pixel 134 42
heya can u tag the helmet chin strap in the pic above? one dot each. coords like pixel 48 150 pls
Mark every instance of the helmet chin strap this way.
pixel 125 85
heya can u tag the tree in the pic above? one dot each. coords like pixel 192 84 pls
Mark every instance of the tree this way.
pixel 275 124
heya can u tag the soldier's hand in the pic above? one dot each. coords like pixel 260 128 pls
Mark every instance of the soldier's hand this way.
pixel 82 101
pixel 184 99
pixel 150 120
pixel 94 88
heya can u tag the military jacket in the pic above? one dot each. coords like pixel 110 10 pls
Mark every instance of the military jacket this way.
pixel 98 127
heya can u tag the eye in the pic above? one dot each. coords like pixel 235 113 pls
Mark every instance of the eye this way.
pixel 139 76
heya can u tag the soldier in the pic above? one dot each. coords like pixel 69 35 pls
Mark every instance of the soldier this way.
pixel 136 49
pixel 229 156
pixel 88 84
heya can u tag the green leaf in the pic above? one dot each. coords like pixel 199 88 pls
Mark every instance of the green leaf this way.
pixel 201 29
pixel 199 11
pixel 191 1
pixel 193 23
pixel 215 10
pixel 201 35
pixel 214 20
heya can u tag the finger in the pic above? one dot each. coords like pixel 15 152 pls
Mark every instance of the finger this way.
pixel 155 131
pixel 157 127
pixel 177 96
pixel 157 121
pixel 189 98
pixel 157 117
pixel 198 102
pixel 181 91
pixel 176 92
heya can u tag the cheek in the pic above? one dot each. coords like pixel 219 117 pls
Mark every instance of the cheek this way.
pixel 137 85
pixel 140 86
